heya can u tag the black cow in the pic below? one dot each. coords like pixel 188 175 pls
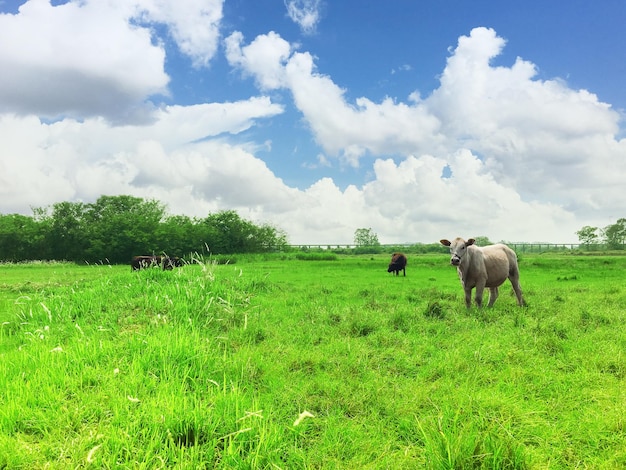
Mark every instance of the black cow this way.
pixel 397 264
pixel 171 262
pixel 150 261
pixel 142 262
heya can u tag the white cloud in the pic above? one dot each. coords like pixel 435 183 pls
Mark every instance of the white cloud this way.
pixel 402 68
pixel 44 163
pixel 305 13
pixel 99 65
pixel 540 137
pixel 264 58
pixel 341 128
pixel 176 125
pixel 92 58
pixel 321 162
pixel 194 24
pixel 353 130
pixel 423 202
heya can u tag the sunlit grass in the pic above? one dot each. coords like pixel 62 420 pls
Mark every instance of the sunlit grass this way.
pixel 278 362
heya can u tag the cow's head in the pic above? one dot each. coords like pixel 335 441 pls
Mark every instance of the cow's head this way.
pixel 458 248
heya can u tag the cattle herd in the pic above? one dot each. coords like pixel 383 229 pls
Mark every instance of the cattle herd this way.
pixel 478 267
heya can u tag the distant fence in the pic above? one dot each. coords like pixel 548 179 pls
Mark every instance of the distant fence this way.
pixel 518 247
pixel 541 247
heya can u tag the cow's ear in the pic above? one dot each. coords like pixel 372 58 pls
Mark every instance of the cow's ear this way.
pixel 469 242
pixel 445 242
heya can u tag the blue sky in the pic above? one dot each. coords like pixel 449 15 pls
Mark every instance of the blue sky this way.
pixel 420 120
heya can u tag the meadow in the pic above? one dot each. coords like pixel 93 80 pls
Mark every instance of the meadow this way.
pixel 312 361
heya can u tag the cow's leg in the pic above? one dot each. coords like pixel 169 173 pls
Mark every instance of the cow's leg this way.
pixel 468 297
pixel 404 271
pixel 480 287
pixel 493 295
pixel 514 278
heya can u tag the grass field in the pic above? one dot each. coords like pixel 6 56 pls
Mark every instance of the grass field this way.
pixel 310 362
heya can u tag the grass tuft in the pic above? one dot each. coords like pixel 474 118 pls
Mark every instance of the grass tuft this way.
pixel 434 310
pixel 457 440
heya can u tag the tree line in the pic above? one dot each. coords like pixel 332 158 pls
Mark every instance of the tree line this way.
pixel 613 235
pixel 115 228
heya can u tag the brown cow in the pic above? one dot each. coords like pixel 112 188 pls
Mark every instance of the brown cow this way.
pixel 397 264
pixel 488 266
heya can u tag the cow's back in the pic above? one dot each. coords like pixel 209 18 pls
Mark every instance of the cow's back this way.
pixel 145 261
pixel 399 259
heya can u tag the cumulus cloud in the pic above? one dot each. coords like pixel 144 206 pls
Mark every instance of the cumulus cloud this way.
pixel 305 13
pixel 92 58
pixel 100 65
pixel 540 138
pixel 350 130
pixel 193 24
pixel 70 159
pixel 263 59
pixel 470 198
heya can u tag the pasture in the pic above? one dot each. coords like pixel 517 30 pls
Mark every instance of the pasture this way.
pixel 311 362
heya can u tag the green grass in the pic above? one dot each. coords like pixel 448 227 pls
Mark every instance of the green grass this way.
pixel 211 366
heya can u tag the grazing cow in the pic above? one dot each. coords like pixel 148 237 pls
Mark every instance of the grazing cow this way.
pixel 142 262
pixel 165 262
pixel 171 262
pixel 488 266
pixel 397 264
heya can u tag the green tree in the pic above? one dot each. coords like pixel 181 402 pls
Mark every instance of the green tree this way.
pixel 178 235
pixel 119 227
pixel 21 238
pixel 615 234
pixel 271 238
pixel 365 237
pixel 65 232
pixel 588 235
pixel 482 241
pixel 226 232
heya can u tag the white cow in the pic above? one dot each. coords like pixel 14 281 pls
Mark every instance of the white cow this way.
pixel 488 266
